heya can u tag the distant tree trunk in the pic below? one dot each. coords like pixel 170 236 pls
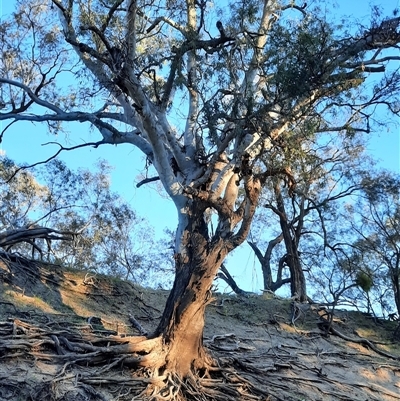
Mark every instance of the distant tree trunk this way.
pixel 396 289
pixel 297 279
pixel 265 261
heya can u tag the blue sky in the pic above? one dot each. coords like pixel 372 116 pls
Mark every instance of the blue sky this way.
pixel 23 143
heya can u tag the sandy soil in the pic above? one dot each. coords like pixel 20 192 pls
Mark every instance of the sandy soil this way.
pixel 277 345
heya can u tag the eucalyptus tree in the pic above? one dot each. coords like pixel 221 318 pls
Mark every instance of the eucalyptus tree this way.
pixel 316 173
pixel 378 237
pixel 111 237
pixel 18 196
pixel 203 93
pixel 355 259
pixel 22 197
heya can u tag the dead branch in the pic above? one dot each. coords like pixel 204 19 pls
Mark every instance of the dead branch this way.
pixel 147 180
pixel 225 275
pixel 29 234
pixel 12 237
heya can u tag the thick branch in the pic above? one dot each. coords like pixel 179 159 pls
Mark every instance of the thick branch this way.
pixel 146 181
pixel 12 237
pixel 32 95
pixel 252 188
pixel 110 14
pixel 168 21
pixel 257 251
pixel 209 46
pixel 382 37
pixel 131 31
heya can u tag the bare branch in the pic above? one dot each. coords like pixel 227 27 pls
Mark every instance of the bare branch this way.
pixel 364 64
pixel 32 95
pixel 110 14
pixel 131 14
pixel 383 37
pixel 147 180
pixel 209 46
pixel 168 21
pixel 21 168
pixel 293 6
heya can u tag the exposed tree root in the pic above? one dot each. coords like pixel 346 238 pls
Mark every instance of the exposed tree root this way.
pixel 63 357
pixel 135 364
pixel 88 366
pixel 332 330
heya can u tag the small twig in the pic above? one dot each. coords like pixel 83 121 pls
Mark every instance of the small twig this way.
pixel 54 156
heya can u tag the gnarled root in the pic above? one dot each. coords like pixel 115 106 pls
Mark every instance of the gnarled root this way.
pixel 111 367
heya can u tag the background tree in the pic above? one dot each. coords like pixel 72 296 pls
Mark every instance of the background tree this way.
pixel 103 234
pixel 21 198
pixel 238 84
pixel 377 226
pixel 318 172
pixel 356 261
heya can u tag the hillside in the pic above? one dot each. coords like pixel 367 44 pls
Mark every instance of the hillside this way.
pixel 56 325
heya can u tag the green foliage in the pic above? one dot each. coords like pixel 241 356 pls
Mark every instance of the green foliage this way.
pixel 301 56
pixel 364 280
pixel 379 234
pixel 245 14
pixel 19 196
pixel 112 238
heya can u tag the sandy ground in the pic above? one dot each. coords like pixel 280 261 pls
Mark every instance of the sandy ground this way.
pixel 277 345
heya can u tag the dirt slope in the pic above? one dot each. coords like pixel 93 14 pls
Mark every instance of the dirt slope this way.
pixel 279 346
